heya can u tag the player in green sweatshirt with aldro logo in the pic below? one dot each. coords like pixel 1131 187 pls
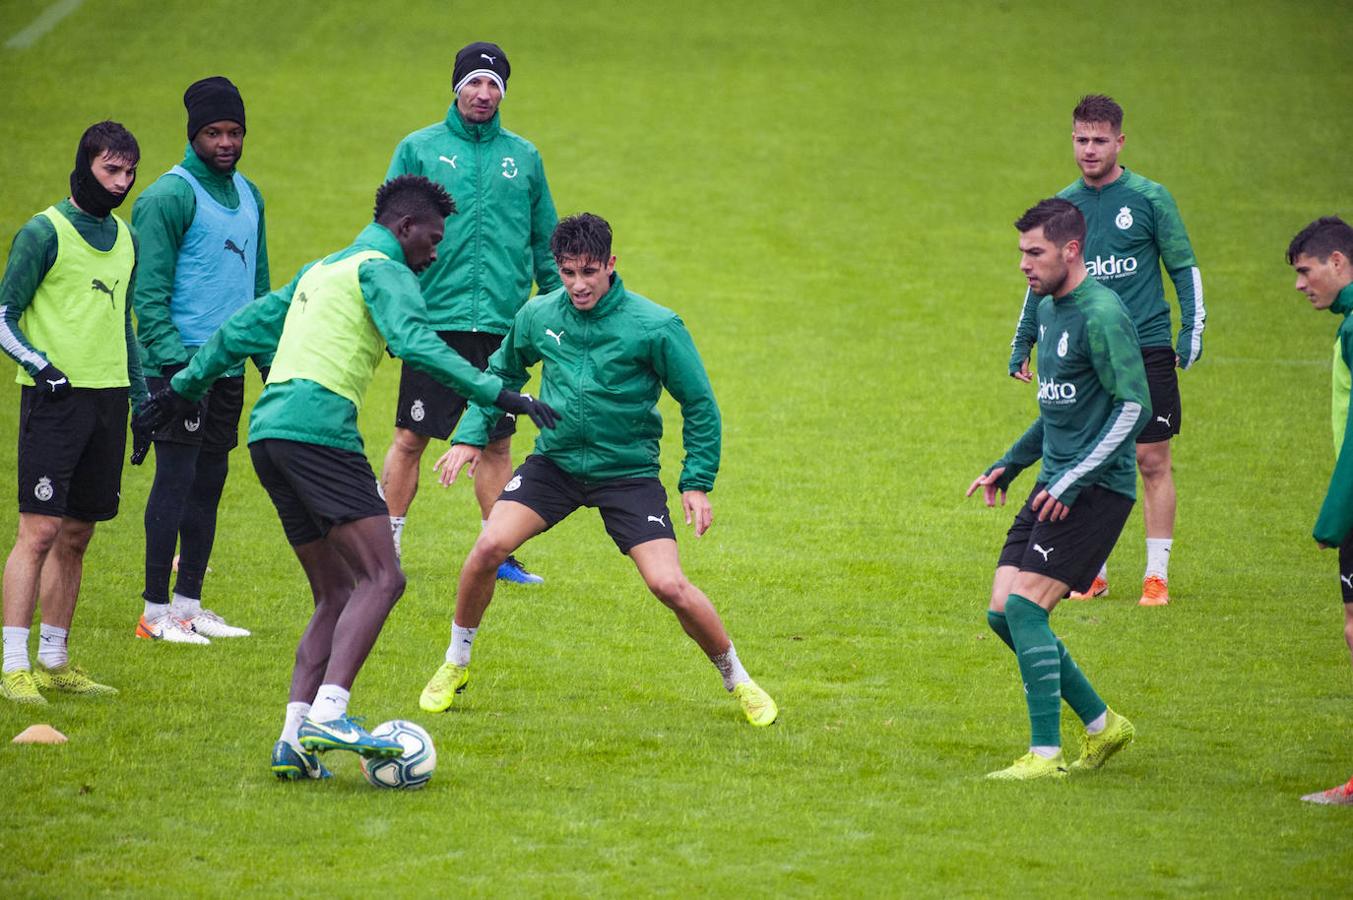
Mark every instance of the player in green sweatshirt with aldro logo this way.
pixel 1093 402
pixel 330 327
pixel 1132 229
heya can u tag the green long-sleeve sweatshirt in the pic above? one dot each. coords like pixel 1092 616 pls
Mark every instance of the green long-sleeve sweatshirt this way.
pixel 304 410
pixel 31 257
pixel 1132 227
pixel 603 370
pixel 162 216
pixel 1336 513
pixel 1092 397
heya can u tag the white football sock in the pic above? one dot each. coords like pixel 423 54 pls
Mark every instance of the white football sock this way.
pixel 1096 725
pixel 1104 571
pixel 397 530
pixel 1158 557
pixel 331 702
pixel 730 668
pixel 155 611
pixel 462 639
pixel 1045 752
pixel 185 607
pixel 16 649
pixel 52 652
pixel 295 712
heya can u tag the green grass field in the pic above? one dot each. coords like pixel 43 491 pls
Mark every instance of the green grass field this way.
pixel 825 193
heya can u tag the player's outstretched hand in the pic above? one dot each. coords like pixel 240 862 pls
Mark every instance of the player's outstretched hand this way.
pixel 525 405
pixel 449 464
pixel 52 383
pixel 987 483
pixel 698 510
pixel 1049 508
pixel 163 406
pixel 1023 373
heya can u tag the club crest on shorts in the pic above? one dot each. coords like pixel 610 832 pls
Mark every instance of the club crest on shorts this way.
pixel 416 412
pixel 513 484
pixel 1062 344
pixel 1124 219
pixel 191 425
pixel 43 490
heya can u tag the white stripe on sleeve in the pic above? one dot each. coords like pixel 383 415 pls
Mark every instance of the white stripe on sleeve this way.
pixel 1111 441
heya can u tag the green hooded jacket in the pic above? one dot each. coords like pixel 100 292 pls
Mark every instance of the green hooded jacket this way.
pixel 603 370
pixel 499 239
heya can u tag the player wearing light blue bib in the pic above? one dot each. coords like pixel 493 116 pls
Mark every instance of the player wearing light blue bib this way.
pixel 205 258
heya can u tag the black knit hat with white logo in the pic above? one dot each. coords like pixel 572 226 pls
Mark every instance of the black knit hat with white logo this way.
pixel 481 58
pixel 212 99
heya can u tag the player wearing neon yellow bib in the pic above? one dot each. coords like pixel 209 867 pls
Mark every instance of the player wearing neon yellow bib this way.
pixel 329 329
pixel 64 319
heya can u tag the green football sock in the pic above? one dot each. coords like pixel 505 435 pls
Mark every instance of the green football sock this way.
pixel 1040 666
pixel 996 622
pixel 1076 688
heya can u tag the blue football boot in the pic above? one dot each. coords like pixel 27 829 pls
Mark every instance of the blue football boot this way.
pixel 344 733
pixel 292 764
pixel 512 570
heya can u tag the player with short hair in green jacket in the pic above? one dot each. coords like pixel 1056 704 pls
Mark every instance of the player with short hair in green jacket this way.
pixel 330 327
pixel 1133 228
pixel 1322 255
pixel 606 355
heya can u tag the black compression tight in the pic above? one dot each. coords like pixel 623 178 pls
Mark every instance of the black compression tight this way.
pixel 181 513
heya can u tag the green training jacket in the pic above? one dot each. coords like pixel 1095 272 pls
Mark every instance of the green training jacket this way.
pixel 1132 227
pixel 1092 397
pixel 161 216
pixel 603 371
pixel 1336 513
pixel 300 409
pixel 500 237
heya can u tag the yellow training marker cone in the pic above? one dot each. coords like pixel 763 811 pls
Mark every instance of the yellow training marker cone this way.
pixel 39 734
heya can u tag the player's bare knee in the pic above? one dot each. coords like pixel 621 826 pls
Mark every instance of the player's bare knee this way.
pixel 673 590
pixel 497 452
pixel 74 537
pixel 40 535
pixel 1348 627
pixel 1154 463
pixel 410 444
pixel 489 552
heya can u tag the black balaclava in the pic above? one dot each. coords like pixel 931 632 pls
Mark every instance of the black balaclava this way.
pixel 85 189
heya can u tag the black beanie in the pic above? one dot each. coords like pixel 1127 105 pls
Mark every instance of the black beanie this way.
pixel 480 58
pixel 212 99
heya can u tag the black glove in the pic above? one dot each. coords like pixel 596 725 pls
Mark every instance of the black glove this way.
pixel 263 373
pixel 52 383
pixel 526 405
pixel 169 370
pixel 162 407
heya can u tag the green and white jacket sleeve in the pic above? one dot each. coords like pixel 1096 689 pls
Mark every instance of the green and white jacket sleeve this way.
pixel 253 331
pixel 396 305
pixel 30 258
pixel 1026 331
pixel 678 364
pixel 1176 254
pixel 544 219
pixel 1024 452
pixel 511 364
pixel 1117 360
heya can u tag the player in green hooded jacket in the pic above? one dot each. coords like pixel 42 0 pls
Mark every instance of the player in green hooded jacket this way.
pixel 329 328
pixel 1322 255
pixel 1093 402
pixel 492 252
pixel 606 355
pixel 1133 228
